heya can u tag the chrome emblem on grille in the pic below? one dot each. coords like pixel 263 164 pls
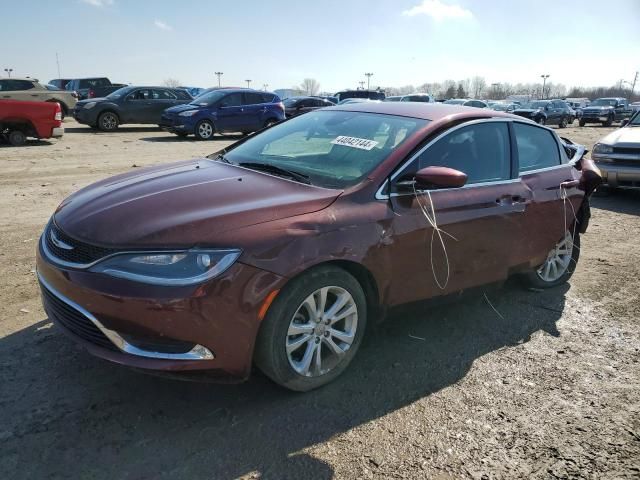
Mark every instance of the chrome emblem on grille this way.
pixel 59 243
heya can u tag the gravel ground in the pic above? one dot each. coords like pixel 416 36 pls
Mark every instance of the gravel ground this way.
pixel 548 387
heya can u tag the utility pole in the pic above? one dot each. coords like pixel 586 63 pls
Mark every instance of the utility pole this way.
pixel 265 85
pixel 219 74
pixel 495 88
pixel 8 70
pixel 248 83
pixel 368 75
pixel 544 82
pixel 633 86
pixel 58 64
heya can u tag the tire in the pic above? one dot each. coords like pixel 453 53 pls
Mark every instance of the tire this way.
pixel 17 138
pixel 609 121
pixel 204 130
pixel 276 354
pixel 269 122
pixel 108 121
pixel 536 278
pixel 563 123
pixel 541 120
pixel 582 123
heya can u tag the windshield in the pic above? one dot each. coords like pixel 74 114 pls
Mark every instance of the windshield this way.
pixel 501 107
pixel 635 120
pixel 120 92
pixel 604 102
pixel 455 101
pixel 209 98
pixel 335 149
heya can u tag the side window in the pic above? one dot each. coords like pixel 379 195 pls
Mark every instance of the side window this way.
pixel 481 151
pixel 232 100
pixel 267 97
pixel 182 95
pixel 537 148
pixel 140 95
pixel 251 98
pixel 4 85
pixel 163 95
pixel 16 85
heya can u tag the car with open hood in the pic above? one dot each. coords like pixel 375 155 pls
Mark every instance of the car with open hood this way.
pixel 280 249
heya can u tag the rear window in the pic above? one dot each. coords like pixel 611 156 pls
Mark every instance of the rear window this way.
pixel 251 98
pixel 182 95
pixel 268 97
pixel 537 148
pixel 94 82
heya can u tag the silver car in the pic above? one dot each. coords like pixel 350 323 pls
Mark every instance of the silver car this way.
pixel 618 155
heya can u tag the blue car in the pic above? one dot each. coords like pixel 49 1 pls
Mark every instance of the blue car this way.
pixel 224 110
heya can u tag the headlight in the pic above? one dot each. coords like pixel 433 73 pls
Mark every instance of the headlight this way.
pixel 89 105
pixel 602 148
pixel 178 268
pixel 188 113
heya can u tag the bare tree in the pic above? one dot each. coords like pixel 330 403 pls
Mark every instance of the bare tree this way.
pixel 477 86
pixel 310 86
pixel 171 82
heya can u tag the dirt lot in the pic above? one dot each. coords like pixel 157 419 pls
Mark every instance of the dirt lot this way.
pixel 549 389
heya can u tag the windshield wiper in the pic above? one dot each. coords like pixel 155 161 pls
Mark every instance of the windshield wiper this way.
pixel 283 172
pixel 220 157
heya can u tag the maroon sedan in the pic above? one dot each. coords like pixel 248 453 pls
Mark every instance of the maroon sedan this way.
pixel 281 248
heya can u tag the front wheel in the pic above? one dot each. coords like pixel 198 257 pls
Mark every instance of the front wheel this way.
pixel 541 121
pixel 563 122
pixel 559 265
pixel 108 121
pixel 582 123
pixel 312 330
pixel 204 130
pixel 609 121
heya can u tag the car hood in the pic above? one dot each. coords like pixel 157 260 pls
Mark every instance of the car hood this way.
pixel 623 137
pixel 183 204
pixel 89 100
pixel 183 108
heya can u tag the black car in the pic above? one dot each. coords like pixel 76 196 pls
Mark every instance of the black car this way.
pixel 92 87
pixel 61 83
pixel 129 105
pixel 606 111
pixel 547 112
pixel 298 105
pixel 370 94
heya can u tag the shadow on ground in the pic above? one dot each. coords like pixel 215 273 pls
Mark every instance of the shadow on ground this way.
pixel 620 201
pixel 87 418
pixel 87 129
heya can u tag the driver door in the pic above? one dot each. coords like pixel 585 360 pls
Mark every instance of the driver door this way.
pixel 481 224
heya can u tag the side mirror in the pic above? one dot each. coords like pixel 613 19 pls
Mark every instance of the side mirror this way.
pixel 624 122
pixel 435 177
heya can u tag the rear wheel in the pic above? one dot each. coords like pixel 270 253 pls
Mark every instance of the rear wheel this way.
pixel 108 121
pixel 312 330
pixel 541 120
pixel 17 138
pixel 559 265
pixel 563 122
pixel 582 123
pixel 204 130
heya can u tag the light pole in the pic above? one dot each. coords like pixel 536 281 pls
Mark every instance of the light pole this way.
pixel 219 74
pixel 248 83
pixel 8 70
pixel 265 85
pixel 544 82
pixel 361 83
pixel 368 75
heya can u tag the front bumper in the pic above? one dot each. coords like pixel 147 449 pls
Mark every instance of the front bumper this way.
pixel 176 124
pixel 594 117
pixel 139 325
pixel 85 116
pixel 618 172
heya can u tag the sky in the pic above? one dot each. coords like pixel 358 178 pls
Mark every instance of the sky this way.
pixel 281 42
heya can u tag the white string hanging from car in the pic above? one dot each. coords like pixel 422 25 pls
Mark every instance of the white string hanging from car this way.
pixel 429 213
pixel 565 199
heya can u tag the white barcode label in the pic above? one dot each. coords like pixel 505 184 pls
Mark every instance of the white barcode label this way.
pixel 361 143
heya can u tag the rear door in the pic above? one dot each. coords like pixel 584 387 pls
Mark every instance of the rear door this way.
pixel 254 109
pixel 230 113
pixel 481 223
pixel 161 99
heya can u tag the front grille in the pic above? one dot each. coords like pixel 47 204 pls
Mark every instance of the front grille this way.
pixel 79 253
pixel 74 320
pixel 627 150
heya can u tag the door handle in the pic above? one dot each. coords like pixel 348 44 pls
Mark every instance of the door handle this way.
pixel 570 183
pixel 510 199
pixel 34 94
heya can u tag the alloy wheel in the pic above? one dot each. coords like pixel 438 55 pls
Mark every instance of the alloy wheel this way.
pixel 321 331
pixel 558 260
pixel 109 121
pixel 205 130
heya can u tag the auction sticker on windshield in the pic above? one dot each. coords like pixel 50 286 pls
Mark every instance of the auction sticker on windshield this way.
pixel 361 143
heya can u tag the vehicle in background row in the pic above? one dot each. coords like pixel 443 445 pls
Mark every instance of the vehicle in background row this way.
pixel 22 119
pixel 281 248
pixel 466 102
pixel 635 106
pixel 298 105
pixel 503 107
pixel 606 111
pixel 92 87
pixel 358 100
pixel 547 112
pixel 129 105
pixel 224 110
pixel 618 155
pixel 30 90
pixel 331 98
pixel 413 97
pixel 367 94
pixel 194 91
pixel 61 83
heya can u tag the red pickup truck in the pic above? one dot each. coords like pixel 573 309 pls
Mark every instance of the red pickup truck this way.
pixel 19 120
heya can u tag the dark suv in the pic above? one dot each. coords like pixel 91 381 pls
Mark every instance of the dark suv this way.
pixel 224 110
pixel 370 94
pixel 547 112
pixel 298 105
pixel 606 111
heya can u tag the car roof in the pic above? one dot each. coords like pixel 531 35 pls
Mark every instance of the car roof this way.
pixel 20 78
pixel 425 111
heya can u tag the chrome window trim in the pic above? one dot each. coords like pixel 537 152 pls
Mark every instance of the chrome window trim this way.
pixel 198 352
pixel 379 195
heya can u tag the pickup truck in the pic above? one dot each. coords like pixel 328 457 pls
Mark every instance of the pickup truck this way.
pixel 22 119
pixel 94 87
pixel 606 111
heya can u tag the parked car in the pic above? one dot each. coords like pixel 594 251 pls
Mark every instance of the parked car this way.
pixel 129 105
pixel 29 89
pixel 279 249
pixel 357 100
pixel 224 110
pixel 503 107
pixel 331 98
pixel 368 94
pixel 61 83
pixel 606 111
pixel 618 155
pixel 298 105
pixel 547 112
pixel 22 119
pixel 194 91
pixel 466 102
pixel 413 97
pixel 93 87
pixel 635 106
